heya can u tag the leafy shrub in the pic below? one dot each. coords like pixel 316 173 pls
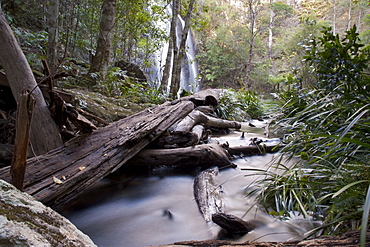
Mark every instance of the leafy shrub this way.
pixel 239 105
pixel 328 130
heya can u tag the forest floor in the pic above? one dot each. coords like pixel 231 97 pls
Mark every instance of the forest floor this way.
pixel 349 239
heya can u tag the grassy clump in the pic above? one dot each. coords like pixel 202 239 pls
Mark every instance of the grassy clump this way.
pixel 327 126
pixel 239 105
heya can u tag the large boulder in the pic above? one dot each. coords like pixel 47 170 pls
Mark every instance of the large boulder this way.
pixel 27 222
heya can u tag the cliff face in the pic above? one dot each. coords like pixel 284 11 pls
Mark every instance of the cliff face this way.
pixel 27 222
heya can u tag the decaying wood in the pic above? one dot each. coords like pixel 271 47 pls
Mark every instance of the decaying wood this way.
pixel 207 194
pixel 22 138
pixel 251 149
pixel 212 154
pixel 183 134
pixel 197 135
pixel 233 224
pixel 44 134
pixel 62 174
pixel 198 117
pixel 207 97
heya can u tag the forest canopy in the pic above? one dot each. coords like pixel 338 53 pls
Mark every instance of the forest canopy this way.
pixel 249 44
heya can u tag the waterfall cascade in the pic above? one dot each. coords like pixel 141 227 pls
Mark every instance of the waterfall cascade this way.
pixel 189 72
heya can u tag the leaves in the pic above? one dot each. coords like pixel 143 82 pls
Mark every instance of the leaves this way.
pixel 327 126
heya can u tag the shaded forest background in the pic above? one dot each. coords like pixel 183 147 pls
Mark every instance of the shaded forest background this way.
pixel 250 44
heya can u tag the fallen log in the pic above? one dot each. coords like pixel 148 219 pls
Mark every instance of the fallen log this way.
pixel 233 224
pixel 197 135
pixel 212 154
pixel 60 175
pixel 251 149
pixel 185 133
pixel 207 97
pixel 198 117
pixel 207 194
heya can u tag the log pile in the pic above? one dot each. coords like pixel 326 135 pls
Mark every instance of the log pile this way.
pixel 176 132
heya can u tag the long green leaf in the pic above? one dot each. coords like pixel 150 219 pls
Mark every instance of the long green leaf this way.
pixel 365 219
pixel 348 186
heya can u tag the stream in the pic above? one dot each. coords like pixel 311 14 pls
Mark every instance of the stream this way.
pixel 160 208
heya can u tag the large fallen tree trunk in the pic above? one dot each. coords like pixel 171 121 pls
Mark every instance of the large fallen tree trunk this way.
pixel 212 154
pixel 63 173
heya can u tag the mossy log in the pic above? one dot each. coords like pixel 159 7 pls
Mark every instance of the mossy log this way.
pixel 60 175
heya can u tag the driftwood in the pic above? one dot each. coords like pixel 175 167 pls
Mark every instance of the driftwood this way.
pixel 232 224
pixel 197 117
pixel 60 175
pixel 22 138
pixel 207 97
pixel 207 194
pixel 188 131
pixel 251 149
pixel 212 154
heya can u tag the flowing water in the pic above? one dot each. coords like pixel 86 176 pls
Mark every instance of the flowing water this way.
pixel 160 208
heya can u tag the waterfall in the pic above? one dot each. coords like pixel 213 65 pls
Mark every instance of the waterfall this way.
pixel 189 72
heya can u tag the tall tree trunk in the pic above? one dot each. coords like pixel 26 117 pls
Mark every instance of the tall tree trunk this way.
pixel 175 16
pixel 171 44
pixel 270 38
pixel 349 15
pixel 44 134
pixel 178 59
pixel 100 60
pixel 52 15
pixel 334 17
pixel 252 10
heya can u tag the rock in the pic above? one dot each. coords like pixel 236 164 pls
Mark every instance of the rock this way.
pixel 108 108
pixel 27 222
pixel 132 70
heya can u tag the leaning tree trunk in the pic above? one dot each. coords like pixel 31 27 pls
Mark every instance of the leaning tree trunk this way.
pixel 100 60
pixel 44 134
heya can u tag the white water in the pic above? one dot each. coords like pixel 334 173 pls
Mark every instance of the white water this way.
pixel 138 215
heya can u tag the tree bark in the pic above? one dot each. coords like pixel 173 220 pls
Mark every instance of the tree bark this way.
pixel 44 134
pixel 212 154
pixel 22 137
pixel 196 117
pixel 171 43
pixel 207 194
pixel 100 60
pixel 53 13
pixel 59 176
pixel 232 224
pixel 178 58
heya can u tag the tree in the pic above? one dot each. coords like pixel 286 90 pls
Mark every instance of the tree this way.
pixel 253 8
pixel 53 13
pixel 179 51
pixel 101 58
pixel 44 134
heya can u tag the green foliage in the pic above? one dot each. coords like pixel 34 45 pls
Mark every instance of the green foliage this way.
pixel 327 129
pixel 117 84
pixel 239 105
